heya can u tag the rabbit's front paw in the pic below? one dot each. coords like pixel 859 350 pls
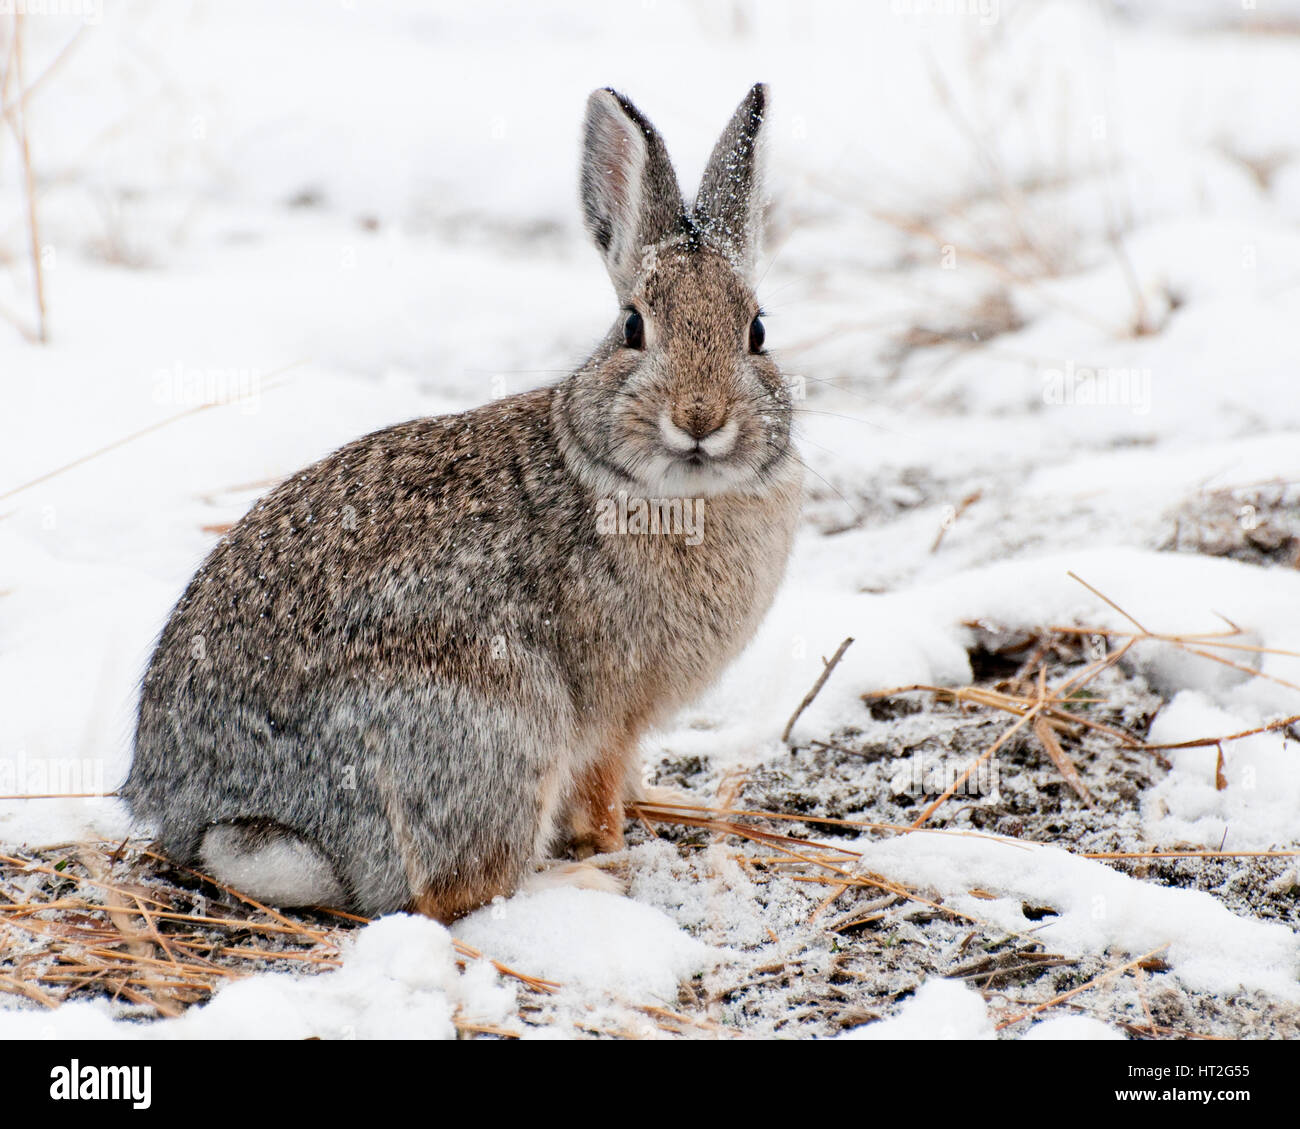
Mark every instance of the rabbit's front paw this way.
pixel 604 840
pixel 596 817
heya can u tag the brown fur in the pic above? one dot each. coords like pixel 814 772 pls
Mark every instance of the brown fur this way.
pixel 596 819
pixel 424 658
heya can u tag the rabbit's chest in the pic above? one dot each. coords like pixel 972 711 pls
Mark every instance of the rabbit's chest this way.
pixel 699 595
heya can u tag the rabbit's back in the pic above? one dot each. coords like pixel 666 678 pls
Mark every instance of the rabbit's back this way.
pixel 382 552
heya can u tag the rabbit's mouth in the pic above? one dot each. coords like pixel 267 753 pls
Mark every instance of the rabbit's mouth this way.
pixel 700 445
pixel 694 473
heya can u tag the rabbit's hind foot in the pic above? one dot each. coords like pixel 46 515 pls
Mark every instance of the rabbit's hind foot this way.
pixel 656 795
pixel 580 875
pixel 271 863
pixel 447 904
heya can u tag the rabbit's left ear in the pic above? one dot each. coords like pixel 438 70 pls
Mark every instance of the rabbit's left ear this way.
pixel 729 207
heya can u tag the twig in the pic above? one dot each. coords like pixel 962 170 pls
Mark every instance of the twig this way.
pixel 1081 988
pixel 19 122
pixel 534 982
pixel 1040 703
pixel 12 108
pixel 1059 757
pixel 1003 738
pixel 950 519
pixel 821 681
pixel 1056 714
pixel 1201 742
pixel 666 813
pixel 30 991
pixel 1181 643
pixel 1107 600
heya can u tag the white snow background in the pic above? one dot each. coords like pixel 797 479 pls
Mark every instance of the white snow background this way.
pixel 364 212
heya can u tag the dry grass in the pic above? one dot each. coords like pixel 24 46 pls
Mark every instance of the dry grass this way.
pixel 772 854
pixel 98 920
pixel 15 95
pixel 1051 713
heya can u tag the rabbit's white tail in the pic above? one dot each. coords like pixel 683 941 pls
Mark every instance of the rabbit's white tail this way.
pixel 270 863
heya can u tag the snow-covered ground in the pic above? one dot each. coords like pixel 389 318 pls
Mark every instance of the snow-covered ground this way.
pixel 1035 263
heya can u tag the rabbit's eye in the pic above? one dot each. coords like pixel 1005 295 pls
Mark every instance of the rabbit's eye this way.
pixel 634 331
pixel 757 335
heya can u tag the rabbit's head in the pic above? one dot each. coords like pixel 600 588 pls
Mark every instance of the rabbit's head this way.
pixel 681 398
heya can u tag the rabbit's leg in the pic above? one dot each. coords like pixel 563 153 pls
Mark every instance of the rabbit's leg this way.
pixel 270 862
pixel 447 901
pixel 596 813
pixel 466 784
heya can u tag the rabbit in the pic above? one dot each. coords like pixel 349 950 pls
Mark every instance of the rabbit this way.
pixel 419 668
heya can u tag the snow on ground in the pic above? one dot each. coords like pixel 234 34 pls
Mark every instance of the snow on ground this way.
pixel 1056 283
pixel 941 1009
pixel 622 947
pixel 1097 909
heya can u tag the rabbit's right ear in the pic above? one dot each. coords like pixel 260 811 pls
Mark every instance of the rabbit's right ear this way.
pixel 729 206
pixel 630 196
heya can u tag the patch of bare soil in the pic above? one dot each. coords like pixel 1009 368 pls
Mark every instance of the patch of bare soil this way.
pixel 836 960
pixel 1259 524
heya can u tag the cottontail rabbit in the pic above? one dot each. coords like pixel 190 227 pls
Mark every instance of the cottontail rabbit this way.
pixel 420 666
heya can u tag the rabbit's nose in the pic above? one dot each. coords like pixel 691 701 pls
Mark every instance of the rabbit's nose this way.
pixel 701 429
pixel 700 419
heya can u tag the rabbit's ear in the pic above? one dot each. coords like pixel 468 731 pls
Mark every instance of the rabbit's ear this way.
pixel 629 192
pixel 729 207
